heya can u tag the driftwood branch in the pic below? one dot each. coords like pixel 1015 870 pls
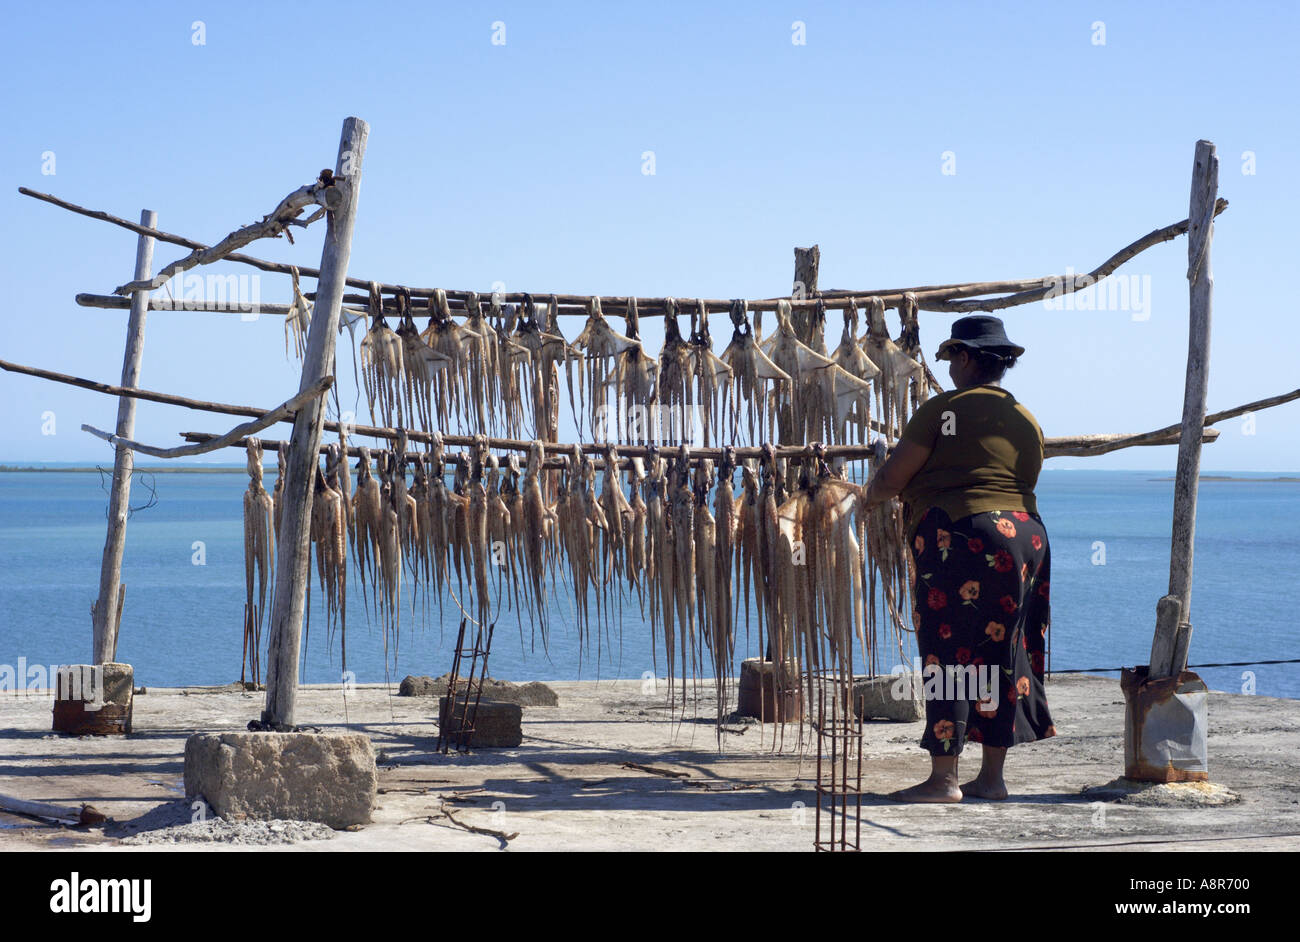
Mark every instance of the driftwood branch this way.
pixel 1169 435
pixel 281 413
pixel 169 237
pixel 1057 285
pixel 1065 446
pixel 502 836
pixel 321 193
pixel 942 298
pixel 1075 445
pixel 1087 446
pixel 132 391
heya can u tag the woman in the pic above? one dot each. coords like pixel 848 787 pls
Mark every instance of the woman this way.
pixel 965 468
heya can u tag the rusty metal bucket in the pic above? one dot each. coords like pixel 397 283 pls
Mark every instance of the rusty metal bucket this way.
pixel 768 697
pixel 1164 727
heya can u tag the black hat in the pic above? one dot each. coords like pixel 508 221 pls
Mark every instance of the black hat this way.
pixel 979 332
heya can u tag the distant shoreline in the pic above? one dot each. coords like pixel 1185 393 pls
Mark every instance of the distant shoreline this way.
pixel 215 469
pixel 1225 477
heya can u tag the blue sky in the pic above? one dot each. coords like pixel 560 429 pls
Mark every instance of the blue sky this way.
pixel 522 163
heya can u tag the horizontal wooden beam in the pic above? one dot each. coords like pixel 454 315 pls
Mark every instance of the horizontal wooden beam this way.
pixel 1169 435
pixel 114 303
pixel 940 298
pixel 132 391
pixel 1065 446
pixel 1087 446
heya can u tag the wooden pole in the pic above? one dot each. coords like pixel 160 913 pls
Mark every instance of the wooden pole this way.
pixel 1200 233
pixel 106 609
pixel 304 446
pixel 806 263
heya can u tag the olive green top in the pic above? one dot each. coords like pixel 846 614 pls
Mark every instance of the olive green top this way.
pixel 986 452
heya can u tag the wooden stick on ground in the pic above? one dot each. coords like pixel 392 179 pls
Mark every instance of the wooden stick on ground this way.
pixel 39 809
pixel 502 836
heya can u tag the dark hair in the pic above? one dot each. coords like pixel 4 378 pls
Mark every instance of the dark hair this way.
pixel 990 365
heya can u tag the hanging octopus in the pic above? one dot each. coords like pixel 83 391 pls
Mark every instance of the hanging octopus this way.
pixel 259 561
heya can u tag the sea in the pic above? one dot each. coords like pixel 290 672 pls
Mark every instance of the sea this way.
pixel 182 621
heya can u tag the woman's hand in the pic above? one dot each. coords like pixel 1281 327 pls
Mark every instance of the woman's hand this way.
pixel 902 465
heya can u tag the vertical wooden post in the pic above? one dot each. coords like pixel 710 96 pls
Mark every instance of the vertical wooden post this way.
pixel 107 609
pixel 806 263
pixel 1200 233
pixel 294 543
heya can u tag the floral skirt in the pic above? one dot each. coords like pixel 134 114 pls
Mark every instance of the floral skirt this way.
pixel 982 616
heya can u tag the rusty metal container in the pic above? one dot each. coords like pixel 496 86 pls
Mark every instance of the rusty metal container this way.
pixel 768 697
pixel 94 699
pixel 1164 727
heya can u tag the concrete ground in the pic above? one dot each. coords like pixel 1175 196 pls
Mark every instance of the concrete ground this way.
pixel 566 787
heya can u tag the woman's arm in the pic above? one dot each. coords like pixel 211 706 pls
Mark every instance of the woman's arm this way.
pixel 902 465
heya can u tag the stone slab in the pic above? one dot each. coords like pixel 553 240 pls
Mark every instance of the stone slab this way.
pixel 329 778
pixel 533 693
pixel 894 697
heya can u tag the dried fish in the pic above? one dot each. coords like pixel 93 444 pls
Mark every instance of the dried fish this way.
pixel 601 344
pixel 297 320
pixel 909 341
pixel 755 377
pixel 632 381
pixel 259 560
pixel 820 394
pixel 382 357
pixel 851 358
pixel 546 350
pixel 681 519
pixel 329 533
pixel 712 374
pixel 367 514
pixel 538 521
pixel 448 386
pixel 897 370
pixel 676 382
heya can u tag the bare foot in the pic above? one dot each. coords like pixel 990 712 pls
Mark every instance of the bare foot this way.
pixel 928 793
pixel 990 792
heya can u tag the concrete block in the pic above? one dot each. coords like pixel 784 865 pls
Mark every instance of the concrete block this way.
pixel 890 697
pixel 329 778
pixel 497 725
pixel 94 699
